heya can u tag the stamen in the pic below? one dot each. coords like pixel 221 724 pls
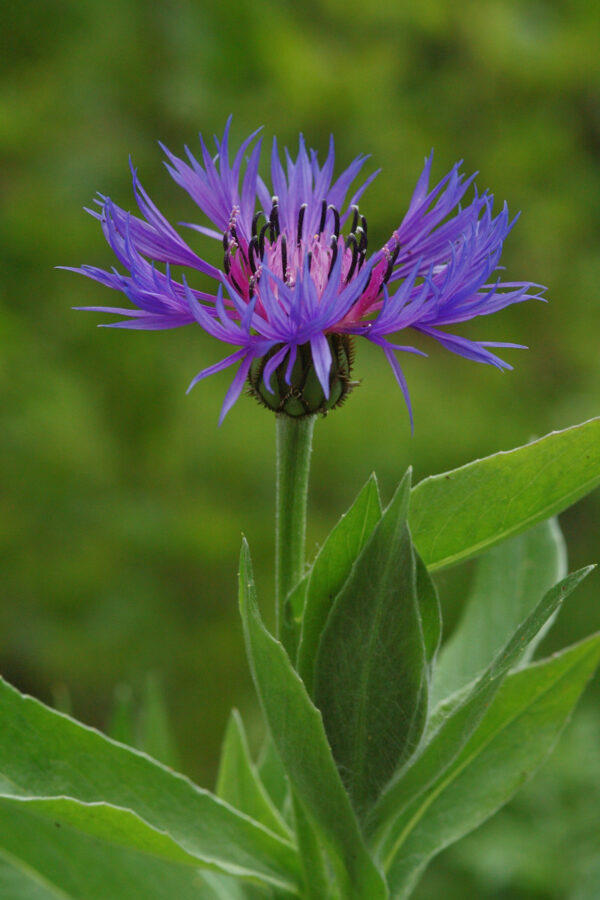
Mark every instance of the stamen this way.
pixel 333 245
pixel 310 259
pixel 354 208
pixel 227 263
pixel 362 238
pixel 225 241
pixel 323 216
pixel 301 214
pixel 336 216
pixel 261 239
pixel 352 240
pixel 283 256
pixel 252 250
pixel 274 219
pixel 390 265
pixel 363 222
pixel 255 220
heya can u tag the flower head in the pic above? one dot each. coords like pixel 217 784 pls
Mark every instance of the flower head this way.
pixel 298 282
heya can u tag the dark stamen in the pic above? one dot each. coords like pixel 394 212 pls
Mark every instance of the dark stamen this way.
pixel 283 255
pixel 323 216
pixel 362 238
pixel 352 240
pixel 334 252
pixel 363 222
pixel 227 263
pixel 225 241
pixel 301 214
pixel 362 255
pixel 252 250
pixel 309 259
pixel 390 265
pixel 255 219
pixel 261 239
pixel 274 219
pixel 237 287
pixel 336 216
pixel 354 208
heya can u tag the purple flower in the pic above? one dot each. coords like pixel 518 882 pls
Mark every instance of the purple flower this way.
pixel 297 282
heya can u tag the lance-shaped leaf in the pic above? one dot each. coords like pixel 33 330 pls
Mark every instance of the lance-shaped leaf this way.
pixel 457 722
pixel 512 740
pixel 509 582
pixel 45 858
pixel 297 730
pixel 459 514
pixel 331 569
pixel 46 754
pixel 371 674
pixel 238 781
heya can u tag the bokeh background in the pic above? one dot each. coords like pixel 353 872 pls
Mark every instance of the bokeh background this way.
pixel 122 503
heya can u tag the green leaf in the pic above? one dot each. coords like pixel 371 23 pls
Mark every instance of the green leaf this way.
pixel 512 740
pixel 331 569
pixel 430 611
pixel 509 582
pixel 47 859
pixel 154 734
pixel 461 513
pixel 45 754
pixel 371 678
pixel 238 781
pixel 316 881
pixel 272 774
pixel 297 730
pixel 457 720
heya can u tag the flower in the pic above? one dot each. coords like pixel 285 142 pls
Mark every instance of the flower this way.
pixel 297 283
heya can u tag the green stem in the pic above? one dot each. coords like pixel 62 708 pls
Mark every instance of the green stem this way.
pixel 294 441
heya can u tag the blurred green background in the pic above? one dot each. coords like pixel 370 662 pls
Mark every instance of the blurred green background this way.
pixel 122 503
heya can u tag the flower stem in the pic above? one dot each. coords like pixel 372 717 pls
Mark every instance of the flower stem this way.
pixel 294 441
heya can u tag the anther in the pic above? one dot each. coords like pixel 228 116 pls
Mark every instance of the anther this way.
pixel 301 214
pixel 255 220
pixel 283 256
pixel 225 241
pixel 274 219
pixel 310 259
pixel 252 250
pixel 336 217
pixel 352 240
pixel 323 216
pixel 333 244
pixel 227 263
pixel 362 238
pixel 354 208
pixel 363 222
pixel 261 239
pixel 390 265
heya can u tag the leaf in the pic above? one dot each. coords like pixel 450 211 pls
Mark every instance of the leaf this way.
pixel 316 882
pixel 457 721
pixel 430 611
pixel 46 754
pixel 46 859
pixel 155 736
pixel 461 513
pixel 509 582
pixel 272 774
pixel 371 679
pixel 239 784
pixel 297 731
pixel 512 740
pixel 331 569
